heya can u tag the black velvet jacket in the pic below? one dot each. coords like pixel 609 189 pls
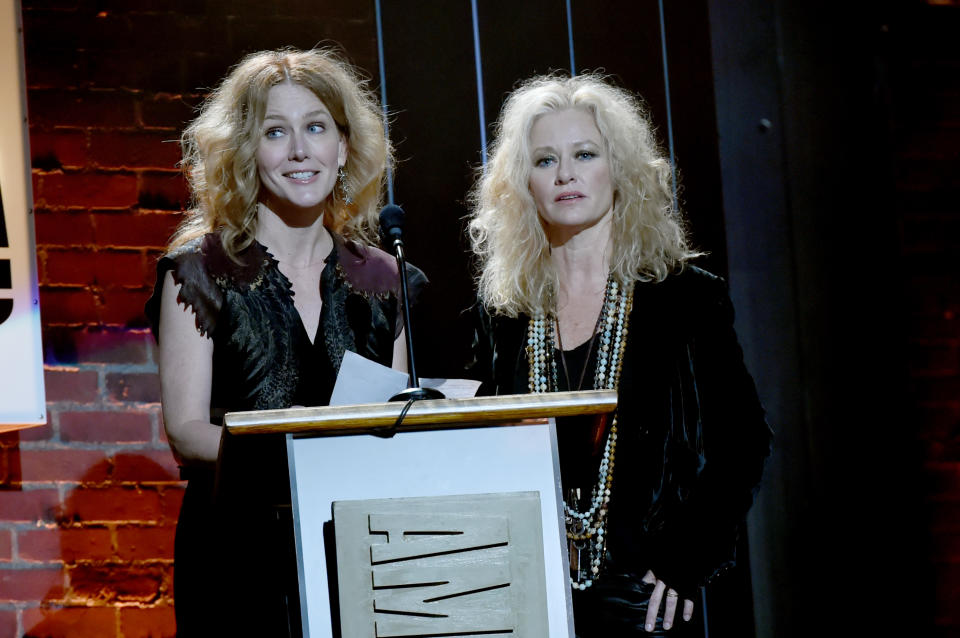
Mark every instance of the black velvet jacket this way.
pixel 692 434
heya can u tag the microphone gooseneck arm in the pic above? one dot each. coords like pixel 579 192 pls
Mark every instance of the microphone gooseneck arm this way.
pixel 405 302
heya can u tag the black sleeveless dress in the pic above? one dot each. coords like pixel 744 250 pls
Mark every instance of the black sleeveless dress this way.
pixel 234 567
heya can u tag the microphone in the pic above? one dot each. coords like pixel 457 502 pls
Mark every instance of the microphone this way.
pixel 391 234
pixel 391 225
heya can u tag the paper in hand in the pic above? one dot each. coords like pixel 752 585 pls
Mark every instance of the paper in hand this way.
pixel 361 380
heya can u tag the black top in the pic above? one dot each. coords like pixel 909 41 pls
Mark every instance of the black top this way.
pixel 263 357
pixel 580 439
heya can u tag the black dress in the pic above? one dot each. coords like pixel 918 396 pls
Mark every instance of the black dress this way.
pixel 234 572
pixel 691 446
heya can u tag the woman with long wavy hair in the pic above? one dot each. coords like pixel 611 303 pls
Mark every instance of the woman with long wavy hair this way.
pixel 586 282
pixel 269 280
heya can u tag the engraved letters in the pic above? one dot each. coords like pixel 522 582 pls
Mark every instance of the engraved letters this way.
pixel 439 575
pixel 441 566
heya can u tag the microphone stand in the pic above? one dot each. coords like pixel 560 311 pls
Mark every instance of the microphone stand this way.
pixel 413 392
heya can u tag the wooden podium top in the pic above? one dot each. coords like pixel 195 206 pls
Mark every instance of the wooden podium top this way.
pixel 422 415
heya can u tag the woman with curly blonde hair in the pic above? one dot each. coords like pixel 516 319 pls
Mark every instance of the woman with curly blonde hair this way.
pixel 266 284
pixel 220 147
pixel 584 275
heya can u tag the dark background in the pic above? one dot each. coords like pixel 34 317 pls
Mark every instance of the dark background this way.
pixel 817 144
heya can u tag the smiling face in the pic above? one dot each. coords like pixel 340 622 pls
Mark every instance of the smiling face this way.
pixel 570 175
pixel 299 152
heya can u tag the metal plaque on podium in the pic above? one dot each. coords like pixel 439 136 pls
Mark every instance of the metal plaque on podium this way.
pixel 441 566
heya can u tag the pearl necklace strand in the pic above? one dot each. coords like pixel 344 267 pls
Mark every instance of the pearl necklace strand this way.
pixel 587 529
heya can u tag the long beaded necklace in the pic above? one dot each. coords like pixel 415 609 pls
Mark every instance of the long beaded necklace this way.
pixel 586 529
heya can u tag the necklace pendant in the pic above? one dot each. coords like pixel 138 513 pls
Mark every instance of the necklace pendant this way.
pixel 577 550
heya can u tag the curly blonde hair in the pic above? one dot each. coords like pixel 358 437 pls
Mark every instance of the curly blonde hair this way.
pixel 219 147
pixel 507 236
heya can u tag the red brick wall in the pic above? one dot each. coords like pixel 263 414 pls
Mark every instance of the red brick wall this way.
pixel 925 100
pixel 925 86
pixel 89 502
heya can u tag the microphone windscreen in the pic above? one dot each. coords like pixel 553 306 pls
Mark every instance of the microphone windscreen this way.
pixel 391 220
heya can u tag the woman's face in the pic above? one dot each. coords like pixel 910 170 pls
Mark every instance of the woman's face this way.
pixel 570 177
pixel 299 152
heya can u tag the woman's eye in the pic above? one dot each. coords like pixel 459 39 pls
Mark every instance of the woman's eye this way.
pixel 585 155
pixel 274 132
pixel 543 162
pixel 316 127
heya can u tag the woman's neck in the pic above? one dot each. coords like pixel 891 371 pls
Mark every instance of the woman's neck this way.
pixel 297 246
pixel 582 264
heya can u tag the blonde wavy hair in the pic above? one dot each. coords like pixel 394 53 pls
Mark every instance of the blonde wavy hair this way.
pixel 219 147
pixel 507 236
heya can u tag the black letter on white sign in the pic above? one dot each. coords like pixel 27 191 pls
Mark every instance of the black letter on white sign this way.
pixel 6 281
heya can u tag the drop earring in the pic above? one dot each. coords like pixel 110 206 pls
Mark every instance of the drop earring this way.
pixel 342 186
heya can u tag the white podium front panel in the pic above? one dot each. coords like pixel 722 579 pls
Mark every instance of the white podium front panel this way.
pixel 426 463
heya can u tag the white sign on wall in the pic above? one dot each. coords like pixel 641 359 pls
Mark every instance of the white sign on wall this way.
pixel 21 355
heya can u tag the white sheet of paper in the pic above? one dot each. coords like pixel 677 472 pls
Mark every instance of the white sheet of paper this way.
pixel 453 388
pixel 361 380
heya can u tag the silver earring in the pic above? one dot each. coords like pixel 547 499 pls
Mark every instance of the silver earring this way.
pixel 342 186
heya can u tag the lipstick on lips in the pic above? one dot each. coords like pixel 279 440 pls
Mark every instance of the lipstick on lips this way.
pixel 569 196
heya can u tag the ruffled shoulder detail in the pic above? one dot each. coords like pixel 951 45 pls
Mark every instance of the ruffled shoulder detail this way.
pixel 203 271
pixel 198 290
pixel 371 271
pixel 246 272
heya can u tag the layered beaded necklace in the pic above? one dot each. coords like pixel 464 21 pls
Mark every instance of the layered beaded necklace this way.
pixel 586 529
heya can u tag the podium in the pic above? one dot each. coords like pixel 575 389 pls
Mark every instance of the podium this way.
pixel 449 524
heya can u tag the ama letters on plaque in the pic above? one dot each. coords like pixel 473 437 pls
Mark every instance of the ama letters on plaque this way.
pixel 441 566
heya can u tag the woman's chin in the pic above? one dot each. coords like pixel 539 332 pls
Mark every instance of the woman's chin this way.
pixel 296 213
pixel 586 230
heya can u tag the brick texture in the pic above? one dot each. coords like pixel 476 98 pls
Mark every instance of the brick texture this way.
pixel 92 427
pixel 49 465
pixel 56 621
pixel 89 501
pixel 8 622
pixel 66 544
pixel 71 384
pixel 148 622
pixel 925 100
pixel 133 583
pixel 105 504
pixel 63 228
pixel 145 543
pixel 29 506
pixel 19 585
pixel 6 545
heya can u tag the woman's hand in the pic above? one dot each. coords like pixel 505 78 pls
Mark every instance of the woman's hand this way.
pixel 661 591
